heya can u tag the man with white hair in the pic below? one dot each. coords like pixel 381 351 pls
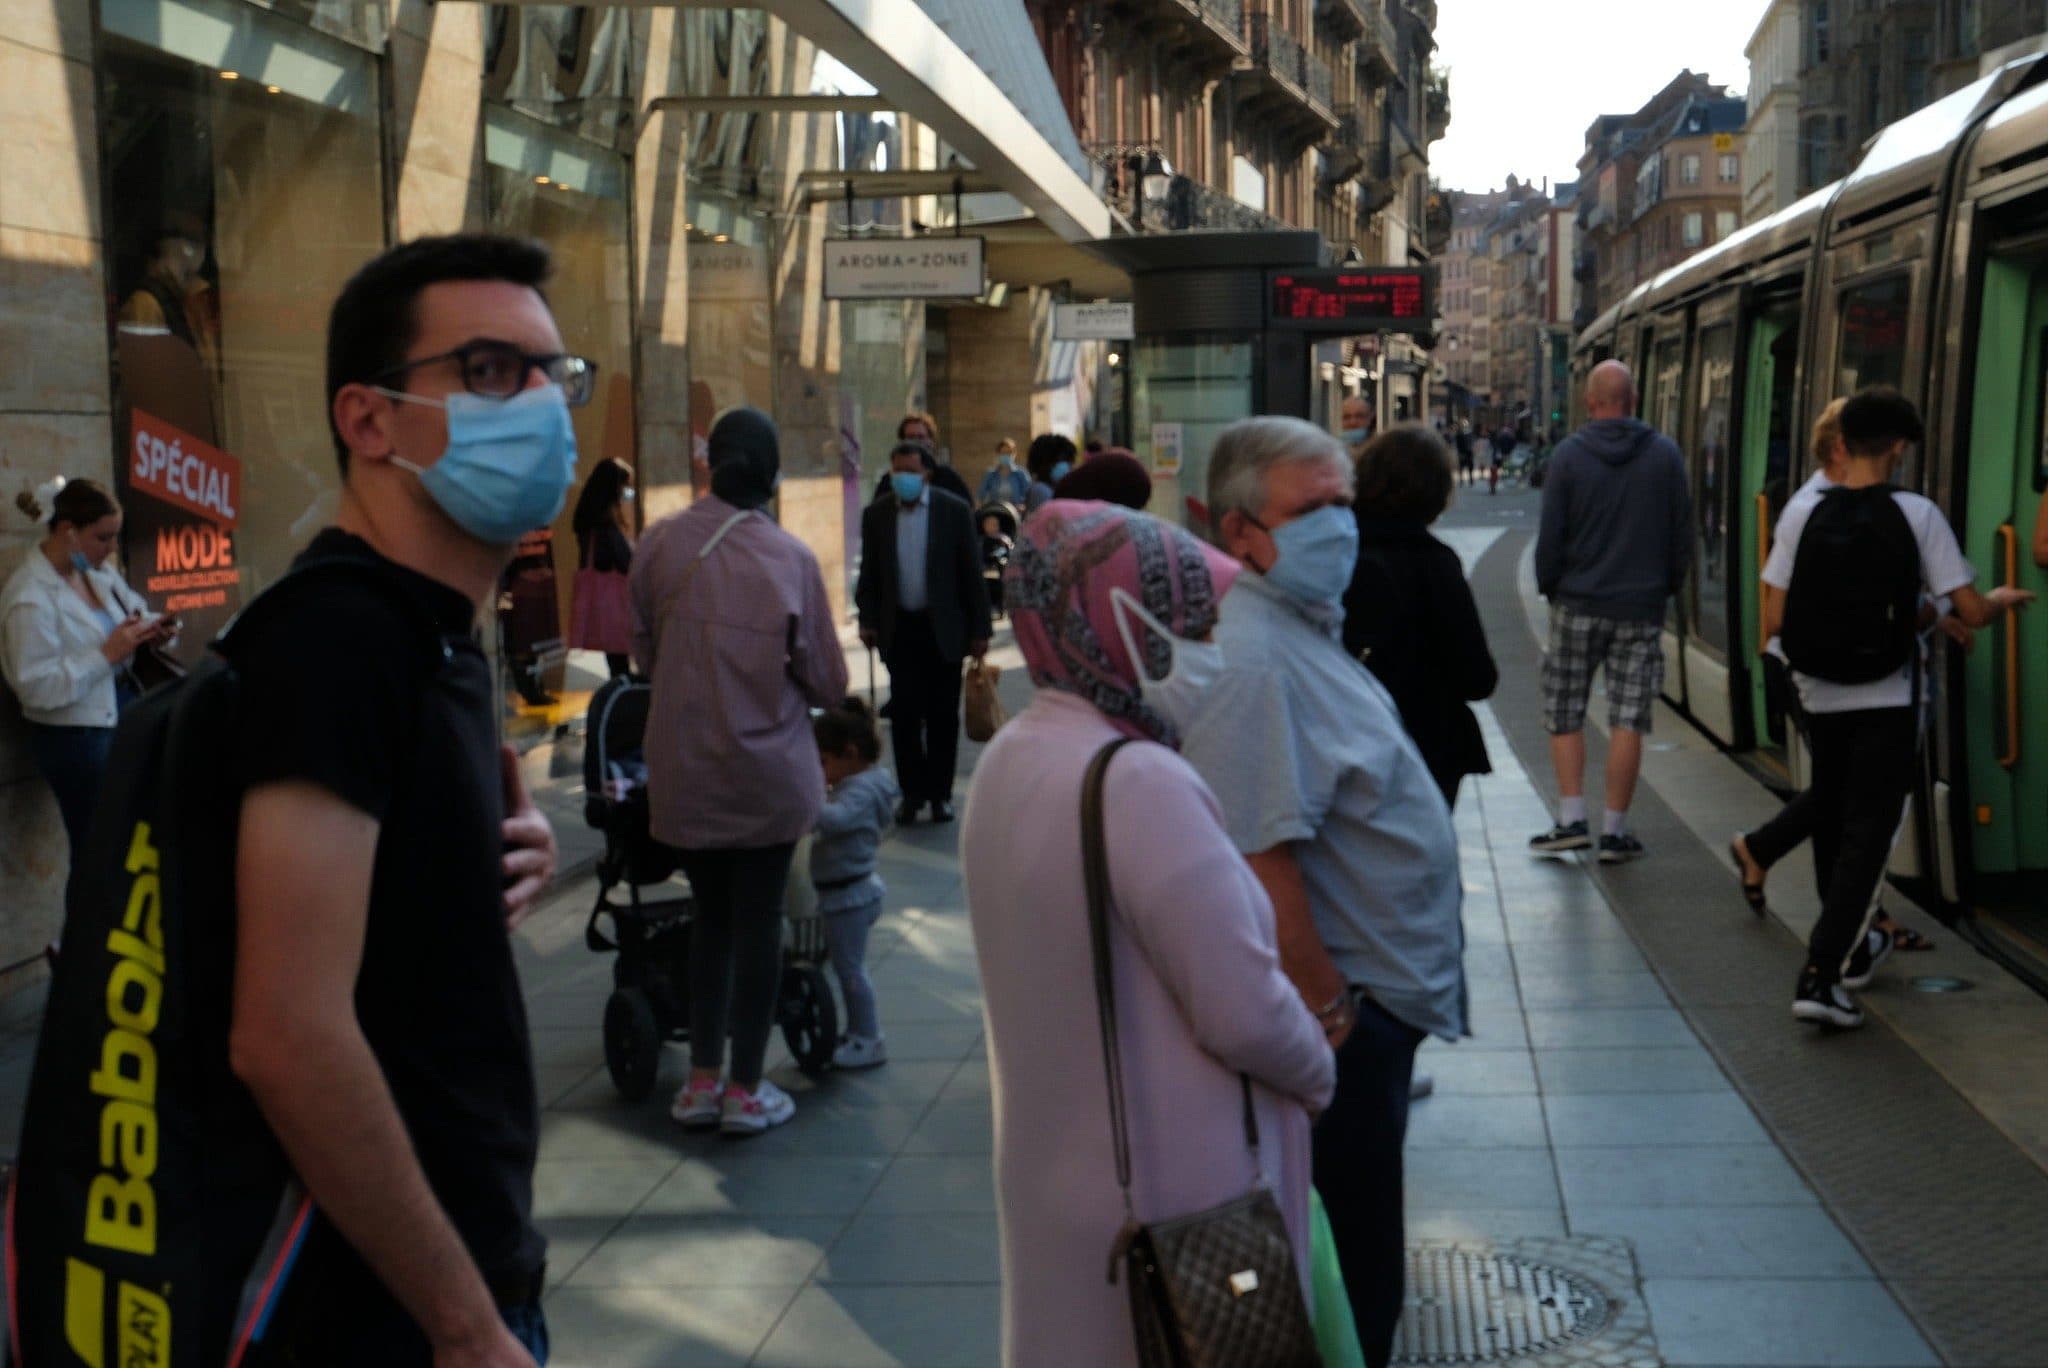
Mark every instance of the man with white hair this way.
pixel 1329 800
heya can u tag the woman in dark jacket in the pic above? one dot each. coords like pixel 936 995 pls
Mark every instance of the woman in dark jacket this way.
pixel 1409 613
pixel 604 546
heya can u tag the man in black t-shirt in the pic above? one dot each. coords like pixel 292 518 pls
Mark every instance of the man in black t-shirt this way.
pixel 387 846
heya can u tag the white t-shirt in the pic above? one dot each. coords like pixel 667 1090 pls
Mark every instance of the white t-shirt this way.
pixel 1943 570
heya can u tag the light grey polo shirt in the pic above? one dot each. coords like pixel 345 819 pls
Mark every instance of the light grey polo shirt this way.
pixel 1301 744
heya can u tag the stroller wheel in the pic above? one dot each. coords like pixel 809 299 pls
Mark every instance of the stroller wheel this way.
pixel 632 1043
pixel 810 1019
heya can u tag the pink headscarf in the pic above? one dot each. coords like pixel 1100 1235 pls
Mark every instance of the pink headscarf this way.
pixel 1069 556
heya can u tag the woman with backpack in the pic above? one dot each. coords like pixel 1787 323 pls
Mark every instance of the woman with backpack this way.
pixel 1847 590
pixel 69 631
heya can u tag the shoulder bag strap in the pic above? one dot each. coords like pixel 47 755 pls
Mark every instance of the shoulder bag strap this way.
pixel 1095 874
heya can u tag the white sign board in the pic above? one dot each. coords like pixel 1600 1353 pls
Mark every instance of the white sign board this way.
pixel 904 268
pixel 1167 442
pixel 1093 323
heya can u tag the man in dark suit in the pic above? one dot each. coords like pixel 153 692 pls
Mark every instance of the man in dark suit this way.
pixel 923 604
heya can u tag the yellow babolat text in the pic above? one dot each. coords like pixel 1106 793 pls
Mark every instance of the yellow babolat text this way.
pixel 120 1211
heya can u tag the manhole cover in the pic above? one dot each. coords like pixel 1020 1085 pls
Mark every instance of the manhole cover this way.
pixel 1940 983
pixel 1479 1306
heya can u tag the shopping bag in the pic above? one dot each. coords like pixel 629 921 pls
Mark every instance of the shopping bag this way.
pixel 601 613
pixel 1336 1331
pixel 984 710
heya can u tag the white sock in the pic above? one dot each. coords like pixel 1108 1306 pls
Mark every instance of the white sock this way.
pixel 1614 823
pixel 1570 810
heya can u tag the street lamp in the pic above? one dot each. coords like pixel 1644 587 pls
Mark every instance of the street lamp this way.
pixel 1151 174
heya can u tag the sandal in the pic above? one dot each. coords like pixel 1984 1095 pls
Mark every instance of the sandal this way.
pixel 1752 893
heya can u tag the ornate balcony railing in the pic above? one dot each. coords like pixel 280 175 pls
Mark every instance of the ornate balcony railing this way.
pixel 1226 14
pixel 1190 206
pixel 1284 55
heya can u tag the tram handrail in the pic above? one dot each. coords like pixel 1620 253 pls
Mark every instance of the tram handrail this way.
pixel 2009 560
pixel 1763 553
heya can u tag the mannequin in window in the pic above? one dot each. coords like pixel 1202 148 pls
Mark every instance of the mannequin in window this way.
pixel 163 299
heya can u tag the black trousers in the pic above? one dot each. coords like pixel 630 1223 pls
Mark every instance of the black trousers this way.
pixel 924 711
pixel 1862 773
pixel 735 954
pixel 1358 1170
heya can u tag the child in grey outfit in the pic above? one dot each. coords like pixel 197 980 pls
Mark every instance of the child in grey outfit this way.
pixel 860 801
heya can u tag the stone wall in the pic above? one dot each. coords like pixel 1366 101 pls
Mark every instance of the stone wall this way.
pixel 54 413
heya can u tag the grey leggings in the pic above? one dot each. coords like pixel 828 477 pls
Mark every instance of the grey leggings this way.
pixel 735 954
pixel 846 937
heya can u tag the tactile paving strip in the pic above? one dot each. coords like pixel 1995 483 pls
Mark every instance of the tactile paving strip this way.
pixel 1550 1301
pixel 1951 1215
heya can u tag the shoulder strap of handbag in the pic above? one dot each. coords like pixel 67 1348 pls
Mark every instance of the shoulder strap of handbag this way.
pixel 1095 873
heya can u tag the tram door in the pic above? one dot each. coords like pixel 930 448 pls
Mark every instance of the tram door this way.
pixel 2006 701
pixel 1771 464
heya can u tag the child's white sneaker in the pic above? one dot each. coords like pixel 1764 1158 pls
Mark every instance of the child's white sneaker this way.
pixel 697 1104
pixel 860 1052
pixel 750 1113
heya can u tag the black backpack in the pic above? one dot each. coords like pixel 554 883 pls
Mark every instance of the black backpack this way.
pixel 1852 612
pixel 153 1218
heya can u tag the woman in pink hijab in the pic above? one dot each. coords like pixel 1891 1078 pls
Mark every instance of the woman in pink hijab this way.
pixel 1113 610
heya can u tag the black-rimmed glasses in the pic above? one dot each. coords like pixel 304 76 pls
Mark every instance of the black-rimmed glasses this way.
pixel 498 370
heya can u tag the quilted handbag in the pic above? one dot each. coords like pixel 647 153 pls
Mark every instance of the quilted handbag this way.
pixel 1216 1288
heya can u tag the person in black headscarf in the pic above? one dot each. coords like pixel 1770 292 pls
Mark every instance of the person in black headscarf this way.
pixel 734 627
pixel 1112 475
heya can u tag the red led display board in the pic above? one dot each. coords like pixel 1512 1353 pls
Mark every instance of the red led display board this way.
pixel 1358 299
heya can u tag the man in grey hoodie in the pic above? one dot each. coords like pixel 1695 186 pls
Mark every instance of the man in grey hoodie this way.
pixel 1614 545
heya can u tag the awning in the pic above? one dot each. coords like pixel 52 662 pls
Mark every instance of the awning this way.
pixel 897 47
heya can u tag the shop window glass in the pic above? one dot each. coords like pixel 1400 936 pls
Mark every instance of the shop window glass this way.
pixel 1709 458
pixel 243 186
pixel 1183 393
pixel 569 194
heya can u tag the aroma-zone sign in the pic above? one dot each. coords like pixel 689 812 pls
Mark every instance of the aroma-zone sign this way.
pixel 906 268
pixel 185 519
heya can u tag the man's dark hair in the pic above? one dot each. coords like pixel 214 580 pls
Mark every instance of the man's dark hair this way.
pixel 374 321
pixel 931 426
pixel 1405 472
pixel 1876 417
pixel 1047 450
pixel 926 457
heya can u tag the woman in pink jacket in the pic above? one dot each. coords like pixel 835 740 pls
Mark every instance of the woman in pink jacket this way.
pixel 1200 993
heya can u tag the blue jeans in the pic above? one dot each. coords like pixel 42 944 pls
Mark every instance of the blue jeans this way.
pixel 846 938
pixel 1357 1170
pixel 72 759
pixel 530 1327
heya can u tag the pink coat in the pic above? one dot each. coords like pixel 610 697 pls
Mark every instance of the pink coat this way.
pixel 1200 997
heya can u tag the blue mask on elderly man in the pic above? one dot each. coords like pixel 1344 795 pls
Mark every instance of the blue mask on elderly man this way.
pixel 1316 555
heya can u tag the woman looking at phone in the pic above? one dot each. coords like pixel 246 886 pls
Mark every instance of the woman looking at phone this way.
pixel 69 631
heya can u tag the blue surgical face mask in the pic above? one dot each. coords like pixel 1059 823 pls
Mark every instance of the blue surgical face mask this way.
pixel 909 486
pixel 1353 436
pixel 80 563
pixel 1316 555
pixel 508 465
pixel 1060 469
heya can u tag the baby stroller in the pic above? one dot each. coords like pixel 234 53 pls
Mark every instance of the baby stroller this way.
pixel 996 523
pixel 650 1002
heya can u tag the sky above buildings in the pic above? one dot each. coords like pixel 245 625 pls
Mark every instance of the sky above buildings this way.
pixel 1528 76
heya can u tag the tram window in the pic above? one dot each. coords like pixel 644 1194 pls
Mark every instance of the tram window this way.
pixel 1668 383
pixel 1873 343
pixel 1709 460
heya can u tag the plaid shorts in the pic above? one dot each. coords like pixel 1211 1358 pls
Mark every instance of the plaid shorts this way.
pixel 1633 653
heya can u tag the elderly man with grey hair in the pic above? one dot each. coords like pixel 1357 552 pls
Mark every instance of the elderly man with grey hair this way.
pixel 1328 798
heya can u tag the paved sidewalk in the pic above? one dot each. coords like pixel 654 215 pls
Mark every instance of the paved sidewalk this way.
pixel 864 1233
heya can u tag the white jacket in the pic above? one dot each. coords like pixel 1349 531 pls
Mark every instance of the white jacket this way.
pixel 50 643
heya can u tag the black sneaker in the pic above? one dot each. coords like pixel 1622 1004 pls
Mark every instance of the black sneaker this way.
pixel 1863 961
pixel 1564 836
pixel 1825 1004
pixel 1620 849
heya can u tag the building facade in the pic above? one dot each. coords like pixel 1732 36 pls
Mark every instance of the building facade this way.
pixel 1863 64
pixel 1770 140
pixel 1221 115
pixel 1655 186
pixel 209 172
